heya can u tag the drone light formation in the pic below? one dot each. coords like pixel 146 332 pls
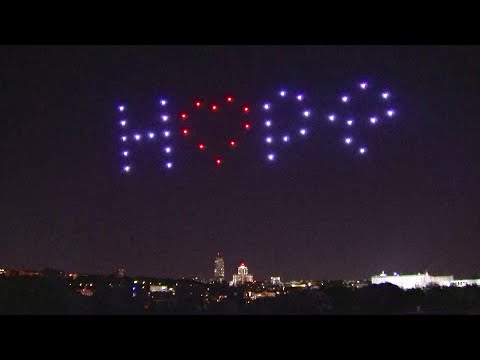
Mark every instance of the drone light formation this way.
pixel 280 126
pixel 149 134
pixel 231 140
pixel 360 106
pixel 289 116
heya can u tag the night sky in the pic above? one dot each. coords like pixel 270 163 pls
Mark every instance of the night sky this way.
pixel 411 205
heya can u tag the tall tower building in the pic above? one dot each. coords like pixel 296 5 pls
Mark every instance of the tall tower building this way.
pixel 242 275
pixel 219 271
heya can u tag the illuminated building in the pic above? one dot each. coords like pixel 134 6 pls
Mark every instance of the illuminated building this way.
pixel 219 271
pixel 10 272
pixel 275 280
pixel 120 272
pixel 463 283
pixel 158 288
pixel 86 292
pixel 242 276
pixel 295 284
pixel 261 294
pixel 421 281
pixel 418 281
pixel 26 272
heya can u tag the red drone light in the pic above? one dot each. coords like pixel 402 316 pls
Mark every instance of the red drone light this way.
pixel 183 116
pixel 246 126
pixel 185 132
pixel 229 99
pixel 201 146
pixel 218 161
pixel 246 109
pixel 232 143
pixel 198 103
pixel 214 107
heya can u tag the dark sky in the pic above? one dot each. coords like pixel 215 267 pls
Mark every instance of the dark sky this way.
pixel 411 205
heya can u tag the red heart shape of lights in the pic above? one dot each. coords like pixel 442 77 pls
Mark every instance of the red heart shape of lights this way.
pixel 214 128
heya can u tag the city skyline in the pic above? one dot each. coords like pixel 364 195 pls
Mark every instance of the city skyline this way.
pixel 219 275
pixel 410 205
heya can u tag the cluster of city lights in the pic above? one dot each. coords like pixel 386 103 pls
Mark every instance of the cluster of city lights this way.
pixel 363 107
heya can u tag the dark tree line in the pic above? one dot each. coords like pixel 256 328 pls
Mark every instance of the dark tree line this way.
pixel 51 295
